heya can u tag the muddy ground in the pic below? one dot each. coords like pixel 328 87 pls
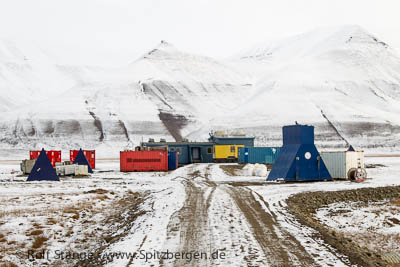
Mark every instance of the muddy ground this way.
pixel 277 246
pixel 304 206
pixel 264 241
pixel 118 216
pixel 119 222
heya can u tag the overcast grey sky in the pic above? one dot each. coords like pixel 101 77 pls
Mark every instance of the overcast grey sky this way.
pixel 113 32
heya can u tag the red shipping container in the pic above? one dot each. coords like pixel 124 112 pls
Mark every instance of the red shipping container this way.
pixel 89 154
pixel 53 155
pixel 131 161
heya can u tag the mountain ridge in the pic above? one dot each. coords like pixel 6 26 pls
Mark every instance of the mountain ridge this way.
pixel 343 80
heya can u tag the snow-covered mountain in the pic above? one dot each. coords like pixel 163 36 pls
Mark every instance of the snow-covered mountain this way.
pixel 164 93
pixel 343 80
pixel 28 74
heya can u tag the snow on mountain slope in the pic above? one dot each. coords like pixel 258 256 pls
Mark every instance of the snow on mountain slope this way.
pixel 343 80
pixel 44 104
pixel 85 116
pixel 156 96
pixel 27 74
pixel 189 84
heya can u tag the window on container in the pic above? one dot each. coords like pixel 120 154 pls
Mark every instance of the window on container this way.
pixel 172 149
pixel 209 150
pixel 232 148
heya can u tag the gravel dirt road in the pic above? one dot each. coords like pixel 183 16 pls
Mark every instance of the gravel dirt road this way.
pixel 230 218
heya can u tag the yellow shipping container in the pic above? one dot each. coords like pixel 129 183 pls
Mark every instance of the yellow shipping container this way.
pixel 222 152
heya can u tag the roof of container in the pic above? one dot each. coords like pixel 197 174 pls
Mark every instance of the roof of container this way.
pixel 343 151
pixel 177 143
pixel 298 124
pixel 233 137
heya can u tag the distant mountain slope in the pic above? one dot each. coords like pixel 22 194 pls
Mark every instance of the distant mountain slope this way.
pixel 343 79
pixel 27 74
pixel 162 94
pixel 193 85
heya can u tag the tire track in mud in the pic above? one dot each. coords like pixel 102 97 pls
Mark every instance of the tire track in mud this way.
pixel 189 225
pixel 194 222
pixel 280 247
pixel 255 236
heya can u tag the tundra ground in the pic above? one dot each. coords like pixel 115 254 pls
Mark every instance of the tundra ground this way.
pixel 198 215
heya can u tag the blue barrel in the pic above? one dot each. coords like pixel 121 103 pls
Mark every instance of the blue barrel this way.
pixel 266 155
pixel 172 160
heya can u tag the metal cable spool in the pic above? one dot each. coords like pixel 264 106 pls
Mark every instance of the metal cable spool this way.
pixel 357 174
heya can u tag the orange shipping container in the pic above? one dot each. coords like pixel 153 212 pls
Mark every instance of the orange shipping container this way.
pixel 131 161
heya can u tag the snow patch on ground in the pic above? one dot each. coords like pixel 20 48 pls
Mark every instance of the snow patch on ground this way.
pixel 276 194
pixel 51 208
pixel 377 221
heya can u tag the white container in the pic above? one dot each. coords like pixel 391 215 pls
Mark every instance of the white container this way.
pixel 70 169
pixel 75 169
pixel 82 170
pixel 60 170
pixel 27 165
pixel 339 163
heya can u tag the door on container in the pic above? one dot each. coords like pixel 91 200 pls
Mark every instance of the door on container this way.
pixel 196 154
pixel 246 155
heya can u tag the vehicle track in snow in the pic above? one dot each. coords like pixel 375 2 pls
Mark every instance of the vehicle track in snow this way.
pixel 189 225
pixel 229 218
pixel 280 247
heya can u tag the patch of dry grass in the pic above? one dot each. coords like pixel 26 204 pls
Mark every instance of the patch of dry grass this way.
pixel 97 191
pixel 36 232
pixel 16 212
pixel 72 210
pixel 69 209
pixel 8 264
pixel 69 233
pixel 36 225
pixel 101 197
pixel 396 202
pixel 39 241
pixel 231 169
pixel 51 221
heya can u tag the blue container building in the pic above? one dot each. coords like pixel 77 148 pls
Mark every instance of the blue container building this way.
pixel 188 152
pixel 266 155
pixel 172 160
